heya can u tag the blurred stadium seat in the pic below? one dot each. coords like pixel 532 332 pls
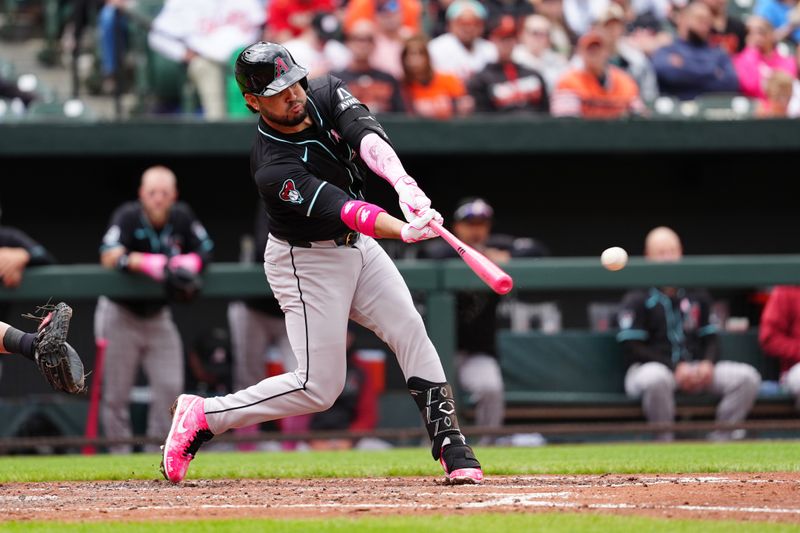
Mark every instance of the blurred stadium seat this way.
pixel 70 110
pixel 666 107
pixel 725 107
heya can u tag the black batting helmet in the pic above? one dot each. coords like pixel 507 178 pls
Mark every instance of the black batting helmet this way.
pixel 265 69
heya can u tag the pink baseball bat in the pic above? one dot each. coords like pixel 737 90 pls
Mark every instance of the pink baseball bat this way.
pixel 491 274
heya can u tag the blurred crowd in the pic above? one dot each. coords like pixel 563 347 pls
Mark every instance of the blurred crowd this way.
pixel 441 59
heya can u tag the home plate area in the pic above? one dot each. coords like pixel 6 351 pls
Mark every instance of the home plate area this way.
pixel 771 497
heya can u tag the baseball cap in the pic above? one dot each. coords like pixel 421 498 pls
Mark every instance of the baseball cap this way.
pixel 612 12
pixel 503 27
pixel 462 7
pixel 590 38
pixel 388 6
pixel 472 208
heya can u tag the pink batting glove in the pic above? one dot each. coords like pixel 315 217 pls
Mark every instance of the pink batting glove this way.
pixel 412 200
pixel 153 265
pixel 190 262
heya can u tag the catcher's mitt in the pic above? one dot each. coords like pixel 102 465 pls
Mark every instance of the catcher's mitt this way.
pixel 182 285
pixel 58 362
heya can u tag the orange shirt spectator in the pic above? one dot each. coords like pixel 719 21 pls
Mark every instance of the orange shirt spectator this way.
pixel 597 90
pixel 579 93
pixel 365 9
pixel 429 93
pixel 438 98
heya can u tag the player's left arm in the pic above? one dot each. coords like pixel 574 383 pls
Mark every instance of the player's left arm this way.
pixel 362 130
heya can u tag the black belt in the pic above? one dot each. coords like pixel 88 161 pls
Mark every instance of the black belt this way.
pixel 347 239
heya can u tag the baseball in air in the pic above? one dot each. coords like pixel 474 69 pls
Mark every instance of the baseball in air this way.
pixel 614 258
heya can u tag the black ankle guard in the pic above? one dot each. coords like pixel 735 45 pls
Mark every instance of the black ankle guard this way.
pixel 438 410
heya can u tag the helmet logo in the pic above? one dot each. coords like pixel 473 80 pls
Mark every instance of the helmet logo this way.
pixel 280 67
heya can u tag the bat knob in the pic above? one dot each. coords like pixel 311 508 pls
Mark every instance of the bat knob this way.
pixel 504 285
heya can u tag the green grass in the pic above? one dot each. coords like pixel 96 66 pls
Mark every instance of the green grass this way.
pixel 505 523
pixel 758 456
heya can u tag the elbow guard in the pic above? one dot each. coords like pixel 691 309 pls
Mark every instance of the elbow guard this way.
pixel 361 216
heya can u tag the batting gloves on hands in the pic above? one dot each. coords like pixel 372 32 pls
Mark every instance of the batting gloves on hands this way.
pixel 417 229
pixel 413 201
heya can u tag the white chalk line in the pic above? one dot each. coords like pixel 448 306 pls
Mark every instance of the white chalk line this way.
pixel 499 500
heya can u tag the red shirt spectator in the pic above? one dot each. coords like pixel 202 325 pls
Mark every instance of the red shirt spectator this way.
pixel 779 333
pixel 288 18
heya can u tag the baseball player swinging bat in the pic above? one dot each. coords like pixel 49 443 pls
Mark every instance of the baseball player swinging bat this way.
pixel 491 274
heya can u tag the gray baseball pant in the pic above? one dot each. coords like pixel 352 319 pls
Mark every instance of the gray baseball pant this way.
pixel 319 289
pixel 654 383
pixel 152 342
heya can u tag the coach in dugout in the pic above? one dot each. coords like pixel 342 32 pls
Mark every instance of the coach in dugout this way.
pixel 161 238
pixel 670 343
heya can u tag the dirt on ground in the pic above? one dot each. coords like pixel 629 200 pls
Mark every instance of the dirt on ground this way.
pixel 768 497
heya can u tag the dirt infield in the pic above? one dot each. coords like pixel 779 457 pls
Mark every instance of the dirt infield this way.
pixel 773 497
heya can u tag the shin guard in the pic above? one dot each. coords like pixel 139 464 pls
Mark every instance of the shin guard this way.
pixel 438 409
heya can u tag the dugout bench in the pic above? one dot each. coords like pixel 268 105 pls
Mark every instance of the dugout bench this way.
pixel 578 375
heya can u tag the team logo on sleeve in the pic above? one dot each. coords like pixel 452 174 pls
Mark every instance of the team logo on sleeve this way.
pixel 345 99
pixel 280 67
pixel 289 193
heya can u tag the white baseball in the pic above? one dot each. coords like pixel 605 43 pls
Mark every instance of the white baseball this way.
pixel 614 258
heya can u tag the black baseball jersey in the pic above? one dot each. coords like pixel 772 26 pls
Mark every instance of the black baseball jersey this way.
pixel 15 238
pixel 183 233
pixel 305 178
pixel 668 329
pixel 509 88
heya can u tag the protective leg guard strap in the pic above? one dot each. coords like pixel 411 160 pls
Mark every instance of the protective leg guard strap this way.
pixel 438 409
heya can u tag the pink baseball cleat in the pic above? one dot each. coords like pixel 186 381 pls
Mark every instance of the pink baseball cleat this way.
pixel 188 432
pixel 461 467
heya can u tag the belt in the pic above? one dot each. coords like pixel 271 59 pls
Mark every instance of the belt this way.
pixel 346 239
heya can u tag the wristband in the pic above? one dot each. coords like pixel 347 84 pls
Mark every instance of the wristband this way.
pixel 123 263
pixel 191 262
pixel 361 216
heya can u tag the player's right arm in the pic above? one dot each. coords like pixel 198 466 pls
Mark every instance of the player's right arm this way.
pixel 364 133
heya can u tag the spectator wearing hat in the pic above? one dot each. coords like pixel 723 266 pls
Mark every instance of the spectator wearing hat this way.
pixel 690 66
pixel 626 56
pixel 477 362
pixel 596 89
pixel 535 51
pixel 462 51
pixel 506 86
pixel 376 89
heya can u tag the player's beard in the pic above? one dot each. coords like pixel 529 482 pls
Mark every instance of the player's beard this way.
pixel 285 120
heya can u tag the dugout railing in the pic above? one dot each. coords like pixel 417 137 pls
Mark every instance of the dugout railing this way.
pixel 437 282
